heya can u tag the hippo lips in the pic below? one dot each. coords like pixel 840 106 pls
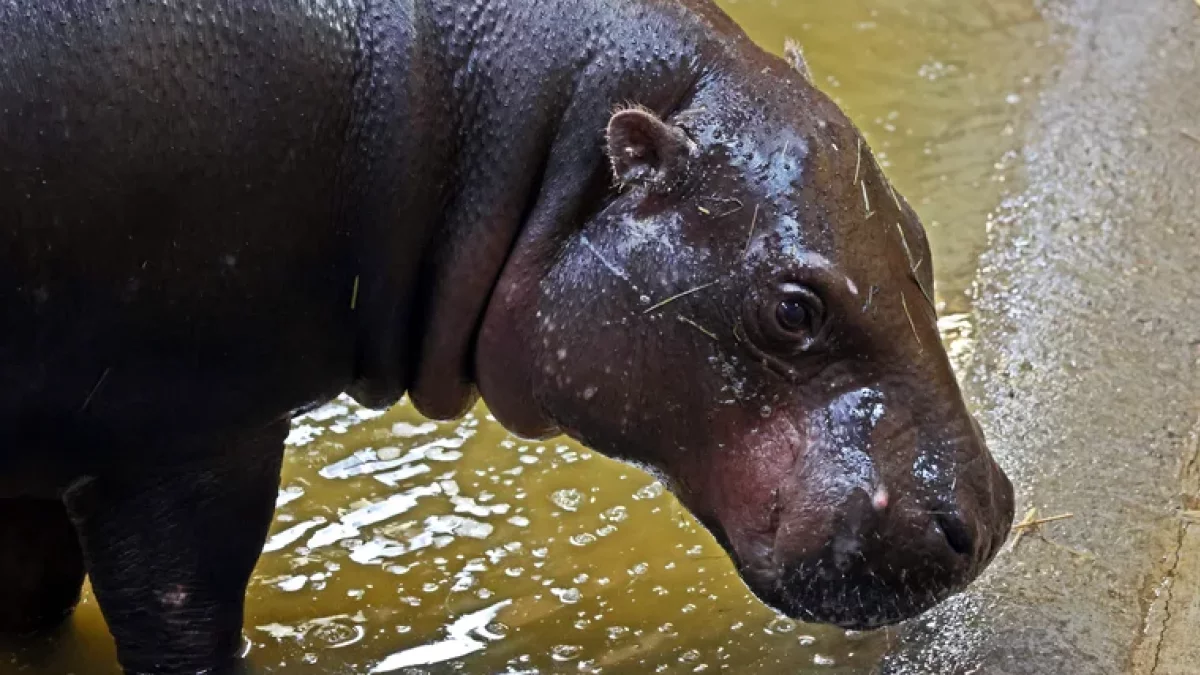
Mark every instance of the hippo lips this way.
pixel 844 590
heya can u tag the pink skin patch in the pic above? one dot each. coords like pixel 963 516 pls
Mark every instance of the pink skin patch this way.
pixel 879 500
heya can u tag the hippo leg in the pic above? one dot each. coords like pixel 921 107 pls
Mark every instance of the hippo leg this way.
pixel 41 565
pixel 170 552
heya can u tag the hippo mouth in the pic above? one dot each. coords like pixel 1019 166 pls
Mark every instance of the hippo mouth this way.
pixel 868 576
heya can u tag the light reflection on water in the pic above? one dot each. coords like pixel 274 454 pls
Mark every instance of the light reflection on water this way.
pixel 401 542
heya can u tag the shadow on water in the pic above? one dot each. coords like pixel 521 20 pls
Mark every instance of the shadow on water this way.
pixel 414 547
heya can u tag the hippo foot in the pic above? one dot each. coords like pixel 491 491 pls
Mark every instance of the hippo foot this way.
pixel 41 566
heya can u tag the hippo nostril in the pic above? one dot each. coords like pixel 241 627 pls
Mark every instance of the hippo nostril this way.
pixel 957 534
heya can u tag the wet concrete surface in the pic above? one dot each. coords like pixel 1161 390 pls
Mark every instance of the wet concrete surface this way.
pixel 1085 371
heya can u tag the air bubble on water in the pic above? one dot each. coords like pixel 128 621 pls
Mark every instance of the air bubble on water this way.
pixel 565 652
pixel 514 571
pixel 765 411
pixel 519 521
pixel 781 624
pixel 605 531
pixel 540 552
pixel 650 491
pixel 582 539
pixel 580 579
pixel 690 656
pixel 695 551
pixel 644 299
pixel 528 459
pixel 807 640
pixel 568 499
pixel 616 514
pixel 688 608
pixel 483 594
pixel 822 660
pixel 616 632
pixel 638 569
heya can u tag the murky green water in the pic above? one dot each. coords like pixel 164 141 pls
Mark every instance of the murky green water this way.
pixel 454 548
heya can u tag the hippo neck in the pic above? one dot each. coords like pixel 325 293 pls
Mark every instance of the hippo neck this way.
pixel 530 96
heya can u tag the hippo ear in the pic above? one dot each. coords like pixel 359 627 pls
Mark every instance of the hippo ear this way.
pixel 644 150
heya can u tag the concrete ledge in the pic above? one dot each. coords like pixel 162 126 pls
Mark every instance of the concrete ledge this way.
pixel 1085 376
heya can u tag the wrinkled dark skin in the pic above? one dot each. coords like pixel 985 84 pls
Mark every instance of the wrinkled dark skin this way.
pixel 214 217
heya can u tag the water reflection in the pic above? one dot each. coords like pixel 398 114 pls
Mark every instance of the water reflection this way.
pixel 407 546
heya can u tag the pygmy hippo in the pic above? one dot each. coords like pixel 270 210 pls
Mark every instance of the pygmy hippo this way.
pixel 615 219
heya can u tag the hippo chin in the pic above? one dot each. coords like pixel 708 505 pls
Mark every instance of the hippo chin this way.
pixel 614 219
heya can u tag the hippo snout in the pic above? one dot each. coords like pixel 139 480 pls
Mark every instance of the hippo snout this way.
pixel 867 534
pixel 884 564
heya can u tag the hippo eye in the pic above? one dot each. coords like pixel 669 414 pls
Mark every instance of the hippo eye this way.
pixel 792 316
pixel 795 318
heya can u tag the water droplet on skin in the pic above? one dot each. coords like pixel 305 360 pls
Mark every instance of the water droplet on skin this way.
pixel 765 411
pixel 645 300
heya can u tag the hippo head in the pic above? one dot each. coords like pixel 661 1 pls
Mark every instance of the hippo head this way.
pixel 748 313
